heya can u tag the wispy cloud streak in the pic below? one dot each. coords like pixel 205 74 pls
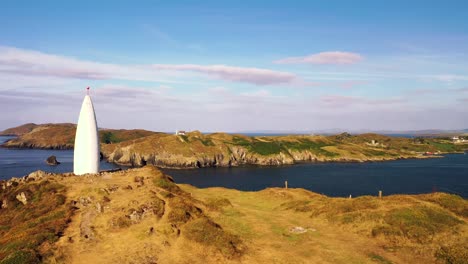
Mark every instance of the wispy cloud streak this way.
pixel 33 63
pixel 236 74
pixel 329 57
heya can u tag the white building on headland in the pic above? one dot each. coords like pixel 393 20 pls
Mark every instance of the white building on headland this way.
pixel 457 139
pixel 86 154
pixel 180 132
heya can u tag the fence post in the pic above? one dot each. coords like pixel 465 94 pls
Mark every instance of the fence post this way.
pixel 380 194
pixel 286 184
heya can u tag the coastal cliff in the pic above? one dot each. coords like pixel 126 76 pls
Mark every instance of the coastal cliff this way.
pixel 196 150
pixel 142 216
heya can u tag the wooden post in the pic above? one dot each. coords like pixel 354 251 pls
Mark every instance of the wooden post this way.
pixel 380 194
pixel 286 184
pixel 350 196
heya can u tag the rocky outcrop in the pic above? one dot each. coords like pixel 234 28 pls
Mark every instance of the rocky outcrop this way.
pixel 239 156
pixel 22 198
pixel 231 155
pixel 18 143
pixel 52 160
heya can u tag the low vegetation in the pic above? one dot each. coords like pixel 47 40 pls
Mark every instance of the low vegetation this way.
pixel 28 231
pixel 62 136
pixel 210 234
pixel 164 222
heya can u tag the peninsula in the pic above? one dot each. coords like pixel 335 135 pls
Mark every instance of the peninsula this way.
pixel 196 150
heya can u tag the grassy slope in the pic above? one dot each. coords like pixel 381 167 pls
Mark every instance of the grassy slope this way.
pixel 28 232
pixel 196 149
pixel 18 131
pixel 62 136
pixel 139 147
pixel 155 220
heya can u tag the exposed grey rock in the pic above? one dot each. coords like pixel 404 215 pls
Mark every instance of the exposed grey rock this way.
pixel 99 208
pixel 135 216
pixel 298 230
pixel 86 229
pixel 84 201
pixel 37 175
pixel 22 198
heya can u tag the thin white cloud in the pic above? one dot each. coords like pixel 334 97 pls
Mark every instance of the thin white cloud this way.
pixel 449 77
pixel 14 61
pixel 231 73
pixel 342 100
pixel 328 57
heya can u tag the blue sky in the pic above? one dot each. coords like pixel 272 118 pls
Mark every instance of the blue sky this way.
pixel 237 65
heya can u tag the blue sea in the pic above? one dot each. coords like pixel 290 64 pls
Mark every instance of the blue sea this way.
pixel 21 162
pixel 447 174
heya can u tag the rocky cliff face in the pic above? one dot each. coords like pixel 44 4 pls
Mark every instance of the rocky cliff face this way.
pixel 196 150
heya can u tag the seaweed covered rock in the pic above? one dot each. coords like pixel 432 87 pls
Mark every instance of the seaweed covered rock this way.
pixel 52 160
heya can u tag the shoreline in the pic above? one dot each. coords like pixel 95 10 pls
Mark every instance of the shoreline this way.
pixel 41 175
pixel 296 162
pixel 331 161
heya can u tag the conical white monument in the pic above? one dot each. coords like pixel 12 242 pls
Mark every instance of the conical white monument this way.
pixel 86 155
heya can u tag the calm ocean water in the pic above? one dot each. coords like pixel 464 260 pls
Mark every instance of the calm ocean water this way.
pixel 448 174
pixel 21 162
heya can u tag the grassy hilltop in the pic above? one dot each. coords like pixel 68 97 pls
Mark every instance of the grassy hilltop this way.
pixel 142 216
pixel 219 149
pixel 62 136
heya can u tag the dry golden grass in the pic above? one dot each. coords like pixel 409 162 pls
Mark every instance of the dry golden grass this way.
pixel 28 231
pixel 18 131
pixel 142 216
pixel 62 136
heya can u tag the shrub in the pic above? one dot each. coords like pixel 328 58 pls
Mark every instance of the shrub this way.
pixel 20 257
pixel 166 185
pixel 420 223
pixel 206 232
pixel 218 203
pixel 453 254
pixel 41 221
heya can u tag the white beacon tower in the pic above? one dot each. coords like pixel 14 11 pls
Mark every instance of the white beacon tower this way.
pixel 86 155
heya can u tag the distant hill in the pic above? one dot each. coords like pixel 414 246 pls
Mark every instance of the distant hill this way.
pixel 62 136
pixel 194 150
pixel 18 131
pixel 434 132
